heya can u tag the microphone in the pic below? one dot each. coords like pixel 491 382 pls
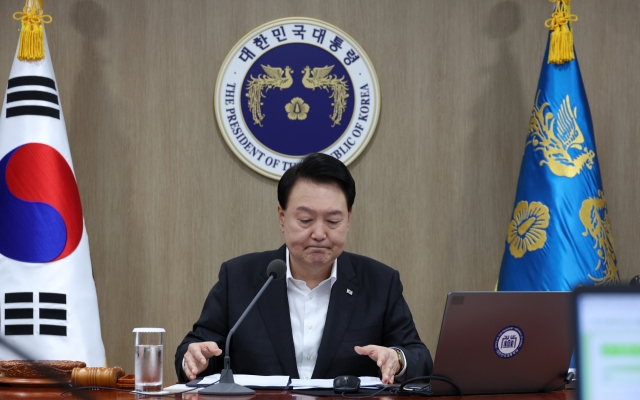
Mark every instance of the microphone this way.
pixel 277 269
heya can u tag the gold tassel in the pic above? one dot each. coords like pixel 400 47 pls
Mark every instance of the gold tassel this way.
pixel 32 32
pixel 561 45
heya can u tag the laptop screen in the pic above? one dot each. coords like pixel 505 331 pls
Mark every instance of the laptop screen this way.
pixel 504 342
pixel 608 328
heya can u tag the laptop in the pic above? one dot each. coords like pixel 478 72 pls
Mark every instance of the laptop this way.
pixel 504 342
pixel 608 342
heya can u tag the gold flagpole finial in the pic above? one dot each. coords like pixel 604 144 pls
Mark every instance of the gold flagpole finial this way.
pixel 32 32
pixel 561 45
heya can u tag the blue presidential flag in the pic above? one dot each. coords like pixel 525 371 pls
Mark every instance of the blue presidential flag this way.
pixel 560 235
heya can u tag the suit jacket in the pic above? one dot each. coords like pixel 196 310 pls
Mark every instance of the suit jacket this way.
pixel 375 313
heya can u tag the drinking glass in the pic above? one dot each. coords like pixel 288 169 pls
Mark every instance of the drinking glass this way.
pixel 148 359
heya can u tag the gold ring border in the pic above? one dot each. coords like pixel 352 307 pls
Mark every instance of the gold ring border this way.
pixel 236 47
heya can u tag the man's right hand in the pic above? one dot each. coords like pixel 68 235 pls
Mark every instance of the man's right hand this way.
pixel 196 359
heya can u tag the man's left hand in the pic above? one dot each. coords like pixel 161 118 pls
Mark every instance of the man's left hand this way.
pixel 386 358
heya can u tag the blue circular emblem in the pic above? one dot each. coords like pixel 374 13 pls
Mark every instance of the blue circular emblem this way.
pixel 299 133
pixel 296 86
pixel 508 342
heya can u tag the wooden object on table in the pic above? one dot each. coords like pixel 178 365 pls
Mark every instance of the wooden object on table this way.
pixel 127 382
pixel 32 382
pixel 41 369
pixel 54 394
pixel 96 376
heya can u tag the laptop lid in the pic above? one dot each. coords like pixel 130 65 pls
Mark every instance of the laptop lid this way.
pixel 608 342
pixel 504 342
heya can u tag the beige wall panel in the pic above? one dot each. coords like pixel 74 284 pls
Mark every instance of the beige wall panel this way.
pixel 166 201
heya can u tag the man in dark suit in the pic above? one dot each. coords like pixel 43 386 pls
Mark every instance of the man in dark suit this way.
pixel 336 313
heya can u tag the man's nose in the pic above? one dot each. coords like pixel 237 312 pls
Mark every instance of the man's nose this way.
pixel 318 233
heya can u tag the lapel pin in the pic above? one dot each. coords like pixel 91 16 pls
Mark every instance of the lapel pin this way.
pixel 350 292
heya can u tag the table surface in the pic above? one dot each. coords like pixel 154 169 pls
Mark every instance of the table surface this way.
pixel 8 393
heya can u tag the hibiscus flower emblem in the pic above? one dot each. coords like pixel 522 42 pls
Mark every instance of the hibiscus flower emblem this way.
pixel 527 228
pixel 297 109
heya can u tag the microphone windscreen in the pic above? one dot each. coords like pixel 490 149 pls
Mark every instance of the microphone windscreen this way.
pixel 277 268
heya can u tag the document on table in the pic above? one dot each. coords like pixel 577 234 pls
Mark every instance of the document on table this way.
pixel 365 382
pixel 181 387
pixel 281 381
pixel 251 380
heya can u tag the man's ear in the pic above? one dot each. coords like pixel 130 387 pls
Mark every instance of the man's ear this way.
pixel 281 218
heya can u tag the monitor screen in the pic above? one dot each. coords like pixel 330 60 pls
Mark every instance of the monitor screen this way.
pixel 608 328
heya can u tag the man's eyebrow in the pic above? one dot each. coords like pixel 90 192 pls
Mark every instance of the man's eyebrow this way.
pixel 335 212
pixel 310 211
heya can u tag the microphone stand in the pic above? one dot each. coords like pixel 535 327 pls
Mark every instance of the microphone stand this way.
pixel 227 385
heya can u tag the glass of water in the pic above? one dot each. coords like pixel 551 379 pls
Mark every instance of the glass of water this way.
pixel 149 359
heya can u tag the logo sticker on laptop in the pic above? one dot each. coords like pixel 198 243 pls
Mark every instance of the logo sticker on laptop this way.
pixel 508 342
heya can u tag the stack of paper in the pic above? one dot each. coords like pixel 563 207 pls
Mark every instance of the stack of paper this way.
pixel 181 387
pixel 277 381
pixel 251 380
pixel 366 382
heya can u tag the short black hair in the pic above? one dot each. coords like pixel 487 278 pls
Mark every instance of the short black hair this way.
pixel 317 168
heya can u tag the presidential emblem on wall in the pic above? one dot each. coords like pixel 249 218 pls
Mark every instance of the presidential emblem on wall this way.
pixel 296 86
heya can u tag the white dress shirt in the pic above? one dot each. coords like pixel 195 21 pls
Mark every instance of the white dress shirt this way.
pixel 308 313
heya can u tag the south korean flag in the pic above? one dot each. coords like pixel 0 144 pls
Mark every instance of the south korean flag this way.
pixel 48 302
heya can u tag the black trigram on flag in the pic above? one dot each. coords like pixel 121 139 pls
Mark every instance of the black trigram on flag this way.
pixel 32 95
pixel 41 316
